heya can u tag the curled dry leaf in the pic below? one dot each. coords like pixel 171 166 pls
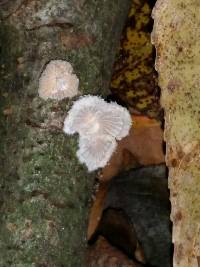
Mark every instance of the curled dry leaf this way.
pixel 103 254
pixel 143 146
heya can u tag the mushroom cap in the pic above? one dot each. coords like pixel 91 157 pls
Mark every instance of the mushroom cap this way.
pixel 99 125
pixel 58 81
pixel 97 152
pixel 91 115
pixel 82 117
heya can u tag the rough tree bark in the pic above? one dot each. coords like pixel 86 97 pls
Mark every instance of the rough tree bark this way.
pixel 44 190
pixel 177 39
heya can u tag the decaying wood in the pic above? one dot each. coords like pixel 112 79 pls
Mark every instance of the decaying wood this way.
pixel 176 36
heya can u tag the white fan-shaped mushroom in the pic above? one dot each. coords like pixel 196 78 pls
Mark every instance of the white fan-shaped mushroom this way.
pixel 58 81
pixel 96 153
pixel 92 115
pixel 82 117
pixel 99 124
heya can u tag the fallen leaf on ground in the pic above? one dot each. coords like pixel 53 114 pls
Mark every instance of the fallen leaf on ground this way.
pixel 143 146
pixel 102 254
pixel 97 209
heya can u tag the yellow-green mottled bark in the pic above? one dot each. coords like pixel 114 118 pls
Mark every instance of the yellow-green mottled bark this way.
pixel 44 191
pixel 176 36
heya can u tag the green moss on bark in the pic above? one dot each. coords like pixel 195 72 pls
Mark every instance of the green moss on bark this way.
pixel 45 192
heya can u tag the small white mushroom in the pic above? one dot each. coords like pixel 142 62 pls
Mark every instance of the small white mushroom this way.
pixel 91 115
pixel 83 116
pixel 99 125
pixel 96 153
pixel 58 81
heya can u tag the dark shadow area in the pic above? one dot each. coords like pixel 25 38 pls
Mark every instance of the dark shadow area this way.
pixel 136 211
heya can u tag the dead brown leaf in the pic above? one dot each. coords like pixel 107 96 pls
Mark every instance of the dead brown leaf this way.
pixel 97 209
pixel 102 254
pixel 143 146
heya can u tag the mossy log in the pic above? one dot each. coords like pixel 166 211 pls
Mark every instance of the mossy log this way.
pixel 177 39
pixel 45 192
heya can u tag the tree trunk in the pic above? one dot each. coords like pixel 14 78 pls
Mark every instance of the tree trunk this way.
pixel 177 39
pixel 44 190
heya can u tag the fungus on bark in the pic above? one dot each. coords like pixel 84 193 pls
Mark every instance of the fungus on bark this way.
pixel 58 81
pixel 96 153
pixel 99 125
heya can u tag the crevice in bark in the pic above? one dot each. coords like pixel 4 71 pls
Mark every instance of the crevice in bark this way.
pixel 140 93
